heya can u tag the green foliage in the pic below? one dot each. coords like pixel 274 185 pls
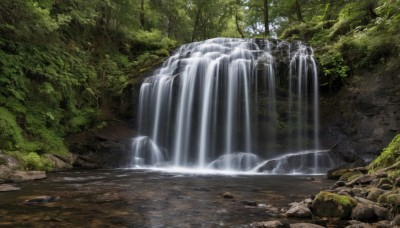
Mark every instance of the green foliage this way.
pixel 389 156
pixel 32 161
pixel 153 40
pixel 333 68
pixel 10 132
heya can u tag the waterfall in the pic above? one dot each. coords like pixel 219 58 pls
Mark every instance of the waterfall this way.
pixel 232 104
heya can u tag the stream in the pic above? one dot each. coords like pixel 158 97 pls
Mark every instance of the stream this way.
pixel 146 198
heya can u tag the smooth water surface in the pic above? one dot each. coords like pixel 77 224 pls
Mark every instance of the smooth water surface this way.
pixel 139 198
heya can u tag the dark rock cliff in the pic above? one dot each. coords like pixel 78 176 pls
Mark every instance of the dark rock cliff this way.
pixel 363 116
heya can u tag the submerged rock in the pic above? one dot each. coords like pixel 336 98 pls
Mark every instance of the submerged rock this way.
pixel 41 200
pixel 328 204
pixel 228 195
pixel 8 188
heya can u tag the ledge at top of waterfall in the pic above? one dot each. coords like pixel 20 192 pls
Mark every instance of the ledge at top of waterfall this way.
pixel 230 104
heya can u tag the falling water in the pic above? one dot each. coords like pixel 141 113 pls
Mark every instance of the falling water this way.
pixel 232 104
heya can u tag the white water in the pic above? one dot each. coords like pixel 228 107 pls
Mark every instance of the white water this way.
pixel 215 98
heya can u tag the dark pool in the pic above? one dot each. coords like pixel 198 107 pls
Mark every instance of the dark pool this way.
pixel 140 198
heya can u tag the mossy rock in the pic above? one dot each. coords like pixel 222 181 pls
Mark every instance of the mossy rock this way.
pixel 337 174
pixel 347 176
pixel 393 199
pixel 389 156
pixel 328 204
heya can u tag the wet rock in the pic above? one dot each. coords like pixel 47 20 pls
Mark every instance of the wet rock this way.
pixel 305 225
pixel 363 180
pixel 8 188
pixel 335 174
pixel 333 205
pixel 299 211
pixel 339 184
pixel 270 224
pixel 249 203
pixel 380 212
pixel 22 176
pixel 41 200
pixel 374 194
pixel 364 201
pixel 383 224
pixel 364 213
pixel 274 210
pixel 228 195
pixel 261 205
pixel 396 220
pixel 349 175
pixel 386 186
pixel 361 169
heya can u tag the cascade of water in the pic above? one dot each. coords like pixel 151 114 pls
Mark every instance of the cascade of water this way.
pixel 214 104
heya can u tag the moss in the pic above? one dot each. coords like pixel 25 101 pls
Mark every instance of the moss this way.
pixel 32 161
pixel 389 156
pixel 339 199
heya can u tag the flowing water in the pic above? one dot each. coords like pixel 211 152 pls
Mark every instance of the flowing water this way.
pixel 144 198
pixel 232 104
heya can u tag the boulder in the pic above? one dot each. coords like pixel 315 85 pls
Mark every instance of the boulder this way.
pixel 299 211
pixel 380 212
pixel 396 220
pixel 270 224
pixel 335 174
pixel 328 204
pixel 374 194
pixel 22 176
pixel 8 188
pixel 58 162
pixel 364 213
pixel 349 175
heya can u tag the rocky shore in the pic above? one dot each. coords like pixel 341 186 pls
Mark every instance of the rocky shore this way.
pixel 360 198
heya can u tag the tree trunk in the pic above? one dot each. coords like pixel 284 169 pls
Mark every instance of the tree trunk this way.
pixel 298 11
pixel 237 19
pixel 196 23
pixel 266 19
pixel 141 15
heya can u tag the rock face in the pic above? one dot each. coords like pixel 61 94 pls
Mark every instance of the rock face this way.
pixel 8 188
pixel 362 117
pixel 108 147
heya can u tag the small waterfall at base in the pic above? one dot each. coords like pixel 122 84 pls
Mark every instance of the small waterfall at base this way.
pixel 247 105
